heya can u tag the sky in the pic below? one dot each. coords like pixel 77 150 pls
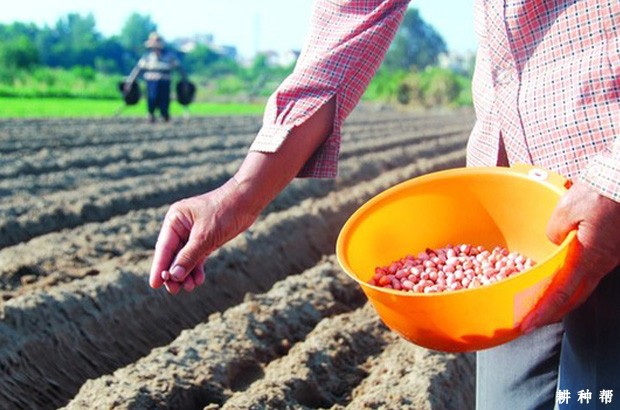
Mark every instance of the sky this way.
pixel 249 25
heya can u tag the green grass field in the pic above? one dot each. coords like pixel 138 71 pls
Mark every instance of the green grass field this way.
pixel 72 107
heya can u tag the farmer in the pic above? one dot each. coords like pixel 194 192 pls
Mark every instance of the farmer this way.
pixel 547 92
pixel 156 66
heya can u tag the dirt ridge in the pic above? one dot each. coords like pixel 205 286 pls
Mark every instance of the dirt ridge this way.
pixel 290 241
pixel 77 315
pixel 217 357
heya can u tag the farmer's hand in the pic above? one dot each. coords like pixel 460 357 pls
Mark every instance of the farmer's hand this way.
pixel 596 252
pixel 192 229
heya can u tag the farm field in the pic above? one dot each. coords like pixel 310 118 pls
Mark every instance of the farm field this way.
pixel 277 325
pixel 14 107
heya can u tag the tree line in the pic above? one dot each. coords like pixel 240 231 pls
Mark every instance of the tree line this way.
pixel 73 41
pixel 74 44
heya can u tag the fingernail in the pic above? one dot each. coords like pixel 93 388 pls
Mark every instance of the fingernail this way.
pixel 178 273
pixel 165 276
pixel 171 287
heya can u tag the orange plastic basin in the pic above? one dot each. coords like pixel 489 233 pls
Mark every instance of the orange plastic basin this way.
pixel 495 206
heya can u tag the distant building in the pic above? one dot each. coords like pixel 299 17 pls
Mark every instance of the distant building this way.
pixel 462 63
pixel 285 59
pixel 188 44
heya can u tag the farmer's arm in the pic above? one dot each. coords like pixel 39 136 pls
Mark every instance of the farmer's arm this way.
pixel 135 72
pixel 347 43
pixel 200 224
pixel 592 207
pixel 300 135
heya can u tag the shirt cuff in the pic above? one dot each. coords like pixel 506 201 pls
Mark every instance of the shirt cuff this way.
pixel 322 164
pixel 270 137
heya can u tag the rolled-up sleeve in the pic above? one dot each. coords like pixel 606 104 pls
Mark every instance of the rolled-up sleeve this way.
pixel 345 46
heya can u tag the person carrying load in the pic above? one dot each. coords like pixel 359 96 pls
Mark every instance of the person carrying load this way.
pixel 156 67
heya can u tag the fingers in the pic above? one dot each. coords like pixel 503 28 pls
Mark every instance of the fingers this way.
pixel 172 287
pixel 192 229
pixel 199 274
pixel 561 221
pixel 562 294
pixel 188 258
pixel 570 287
pixel 179 253
pixel 193 280
pixel 173 233
pixel 161 262
pixel 188 284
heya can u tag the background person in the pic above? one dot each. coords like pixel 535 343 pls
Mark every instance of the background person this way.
pixel 546 92
pixel 157 66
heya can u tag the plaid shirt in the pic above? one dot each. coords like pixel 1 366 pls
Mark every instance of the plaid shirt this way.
pixel 547 83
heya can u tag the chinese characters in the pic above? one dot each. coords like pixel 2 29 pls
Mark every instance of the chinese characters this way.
pixel 563 396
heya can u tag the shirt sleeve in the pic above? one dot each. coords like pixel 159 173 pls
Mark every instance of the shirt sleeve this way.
pixel 142 62
pixel 603 171
pixel 135 72
pixel 346 44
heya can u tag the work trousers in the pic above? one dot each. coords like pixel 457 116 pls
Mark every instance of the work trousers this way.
pixel 158 97
pixel 574 364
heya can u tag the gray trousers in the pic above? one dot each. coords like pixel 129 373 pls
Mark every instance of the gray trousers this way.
pixel 577 356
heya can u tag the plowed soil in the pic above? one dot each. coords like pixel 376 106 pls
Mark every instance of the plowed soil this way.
pixel 277 325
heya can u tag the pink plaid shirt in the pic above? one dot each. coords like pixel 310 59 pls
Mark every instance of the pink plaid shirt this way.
pixel 547 83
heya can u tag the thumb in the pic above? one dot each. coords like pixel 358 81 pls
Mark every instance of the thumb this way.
pixel 561 222
pixel 191 254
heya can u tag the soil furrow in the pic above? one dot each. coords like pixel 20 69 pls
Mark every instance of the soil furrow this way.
pixel 321 371
pixel 23 136
pixel 225 354
pixel 353 361
pixel 96 168
pixel 347 361
pixel 49 161
pixel 24 219
pixel 113 318
pixel 53 158
pixel 31 135
pixel 88 209
pixel 100 202
pixel 405 376
pixel 277 323
pixel 68 171
pixel 68 180
pixel 400 140
pixel 40 260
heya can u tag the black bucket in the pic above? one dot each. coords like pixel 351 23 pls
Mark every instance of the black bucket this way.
pixel 133 96
pixel 186 91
